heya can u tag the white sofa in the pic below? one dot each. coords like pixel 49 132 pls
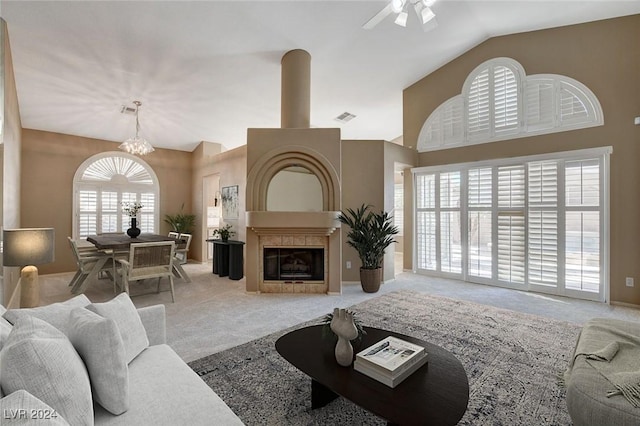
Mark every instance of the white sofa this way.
pixel 162 389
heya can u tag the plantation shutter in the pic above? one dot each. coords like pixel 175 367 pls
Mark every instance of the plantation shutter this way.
pixel 511 224
pixel 450 244
pixel 572 108
pixel 103 183
pixel 543 223
pixel 432 131
pixel 398 208
pixel 539 104
pixel 479 233
pixel 505 101
pixel 478 107
pixel 452 122
pixel 426 222
pixel 535 223
pixel 500 102
pixel 147 215
pixel 87 212
pixel 109 211
pixel 582 192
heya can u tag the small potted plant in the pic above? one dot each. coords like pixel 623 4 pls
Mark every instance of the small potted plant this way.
pixel 224 233
pixel 370 234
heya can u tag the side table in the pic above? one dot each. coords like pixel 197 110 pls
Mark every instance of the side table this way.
pixel 228 258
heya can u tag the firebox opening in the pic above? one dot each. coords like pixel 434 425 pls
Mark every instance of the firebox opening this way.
pixel 293 264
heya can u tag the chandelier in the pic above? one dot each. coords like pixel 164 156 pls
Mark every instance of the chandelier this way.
pixel 137 145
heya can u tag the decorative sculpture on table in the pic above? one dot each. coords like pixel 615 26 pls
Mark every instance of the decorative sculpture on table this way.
pixel 343 326
pixel 132 210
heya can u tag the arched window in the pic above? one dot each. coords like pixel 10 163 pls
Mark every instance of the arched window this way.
pixel 105 181
pixel 499 101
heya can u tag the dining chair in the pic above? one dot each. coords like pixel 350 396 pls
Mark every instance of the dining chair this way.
pixel 174 235
pixel 87 260
pixel 148 260
pixel 115 254
pixel 181 253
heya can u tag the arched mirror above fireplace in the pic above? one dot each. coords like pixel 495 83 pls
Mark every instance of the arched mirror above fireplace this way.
pixel 295 189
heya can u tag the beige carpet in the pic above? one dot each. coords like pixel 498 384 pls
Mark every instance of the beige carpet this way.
pixel 511 359
pixel 198 323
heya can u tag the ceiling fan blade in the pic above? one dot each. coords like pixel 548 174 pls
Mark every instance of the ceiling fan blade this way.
pixel 430 25
pixel 378 17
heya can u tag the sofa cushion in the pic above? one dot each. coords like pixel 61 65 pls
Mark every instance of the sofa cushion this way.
pixel 122 310
pixel 5 329
pixel 22 408
pixel 98 342
pixel 39 358
pixel 165 391
pixel 56 314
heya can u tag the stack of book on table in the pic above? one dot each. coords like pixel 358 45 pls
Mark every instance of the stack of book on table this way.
pixel 390 361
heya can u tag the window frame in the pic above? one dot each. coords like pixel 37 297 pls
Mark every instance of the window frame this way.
pixel 602 154
pixel 117 183
pixel 448 125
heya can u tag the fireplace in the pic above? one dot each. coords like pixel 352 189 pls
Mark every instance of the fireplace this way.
pixel 294 247
pixel 296 264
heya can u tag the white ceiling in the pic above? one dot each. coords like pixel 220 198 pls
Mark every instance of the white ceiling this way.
pixel 208 70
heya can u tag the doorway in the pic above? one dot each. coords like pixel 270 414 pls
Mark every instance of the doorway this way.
pixel 398 215
pixel 212 209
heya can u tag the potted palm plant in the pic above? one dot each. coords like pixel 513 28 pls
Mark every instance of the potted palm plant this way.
pixel 182 223
pixel 370 234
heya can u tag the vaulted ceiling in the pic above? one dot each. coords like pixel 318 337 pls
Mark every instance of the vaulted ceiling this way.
pixel 208 70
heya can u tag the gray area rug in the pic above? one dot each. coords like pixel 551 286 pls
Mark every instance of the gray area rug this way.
pixel 512 361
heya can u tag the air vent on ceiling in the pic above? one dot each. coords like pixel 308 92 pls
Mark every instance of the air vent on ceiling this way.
pixel 345 116
pixel 128 110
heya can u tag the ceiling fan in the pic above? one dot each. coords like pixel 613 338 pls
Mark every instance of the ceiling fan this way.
pixel 400 8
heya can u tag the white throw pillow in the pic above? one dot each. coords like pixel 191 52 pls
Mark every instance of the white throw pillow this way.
pixel 23 409
pixel 40 359
pixel 122 310
pixel 56 314
pixel 100 346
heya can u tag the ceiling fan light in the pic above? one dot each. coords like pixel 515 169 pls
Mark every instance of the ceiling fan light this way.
pixel 402 19
pixel 397 5
pixel 426 15
pixel 428 3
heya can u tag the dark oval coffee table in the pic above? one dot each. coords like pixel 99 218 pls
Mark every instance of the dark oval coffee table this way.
pixel 436 394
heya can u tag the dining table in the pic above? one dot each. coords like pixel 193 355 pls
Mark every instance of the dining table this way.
pixel 121 243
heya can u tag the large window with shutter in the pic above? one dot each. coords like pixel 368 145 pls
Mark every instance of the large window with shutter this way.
pixel 499 101
pixel 103 183
pixel 532 223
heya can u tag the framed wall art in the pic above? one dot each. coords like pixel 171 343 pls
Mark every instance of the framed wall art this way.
pixel 230 202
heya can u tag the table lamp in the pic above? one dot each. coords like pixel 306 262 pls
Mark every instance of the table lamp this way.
pixel 28 247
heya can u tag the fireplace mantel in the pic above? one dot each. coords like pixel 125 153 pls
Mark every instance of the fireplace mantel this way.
pixel 308 223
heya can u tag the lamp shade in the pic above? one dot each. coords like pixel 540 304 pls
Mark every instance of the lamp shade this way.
pixel 28 246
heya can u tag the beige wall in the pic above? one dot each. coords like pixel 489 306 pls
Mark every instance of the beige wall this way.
pixel 11 143
pixel 362 183
pixel 231 166
pixel 368 178
pixel 602 55
pixel 50 161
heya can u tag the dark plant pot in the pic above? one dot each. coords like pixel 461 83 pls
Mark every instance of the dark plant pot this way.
pixel 225 239
pixel 134 231
pixel 370 279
